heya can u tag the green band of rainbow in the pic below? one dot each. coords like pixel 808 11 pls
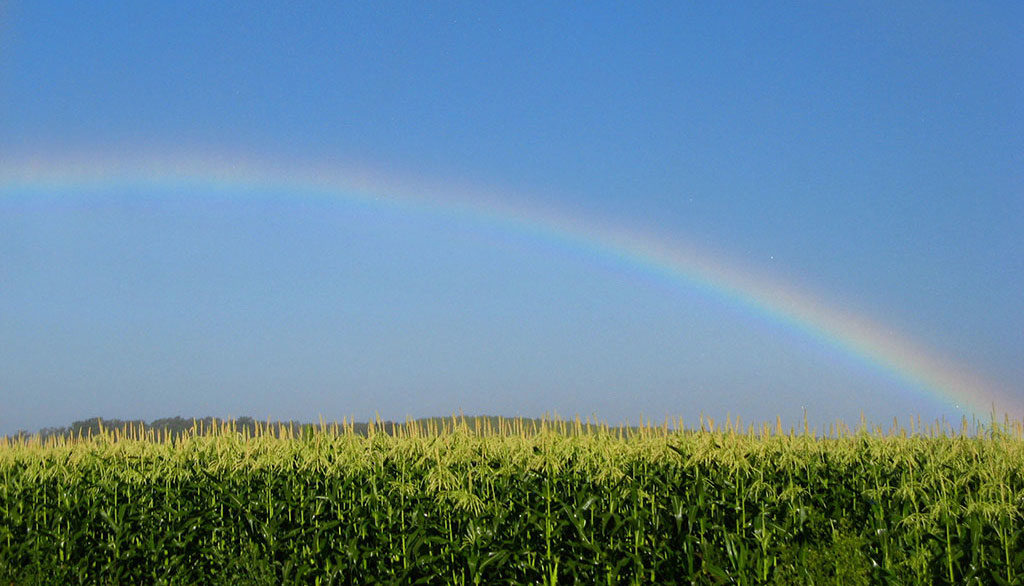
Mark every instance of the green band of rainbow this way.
pixel 854 334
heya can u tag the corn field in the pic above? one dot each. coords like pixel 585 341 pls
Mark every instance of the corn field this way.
pixel 471 502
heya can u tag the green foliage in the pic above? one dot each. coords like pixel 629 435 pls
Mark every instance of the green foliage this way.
pixel 485 501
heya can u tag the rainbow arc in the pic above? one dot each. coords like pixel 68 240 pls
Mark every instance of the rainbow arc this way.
pixel 856 335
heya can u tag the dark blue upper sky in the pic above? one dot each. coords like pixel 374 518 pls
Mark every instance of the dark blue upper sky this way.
pixel 872 153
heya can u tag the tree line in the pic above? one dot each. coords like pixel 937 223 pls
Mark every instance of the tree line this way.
pixel 177 426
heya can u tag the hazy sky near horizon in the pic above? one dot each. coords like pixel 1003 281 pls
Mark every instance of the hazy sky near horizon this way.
pixel 870 154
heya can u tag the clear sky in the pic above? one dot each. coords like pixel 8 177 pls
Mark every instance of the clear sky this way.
pixel 869 155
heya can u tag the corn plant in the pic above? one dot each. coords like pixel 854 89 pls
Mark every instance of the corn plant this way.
pixel 471 501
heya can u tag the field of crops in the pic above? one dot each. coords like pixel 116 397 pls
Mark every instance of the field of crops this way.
pixel 475 502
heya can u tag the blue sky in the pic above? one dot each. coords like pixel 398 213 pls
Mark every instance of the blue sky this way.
pixel 868 153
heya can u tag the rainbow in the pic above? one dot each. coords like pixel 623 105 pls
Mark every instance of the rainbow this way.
pixel 855 335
